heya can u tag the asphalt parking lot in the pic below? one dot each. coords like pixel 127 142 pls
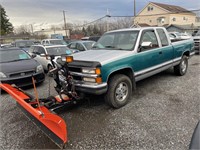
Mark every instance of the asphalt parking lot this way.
pixel 162 114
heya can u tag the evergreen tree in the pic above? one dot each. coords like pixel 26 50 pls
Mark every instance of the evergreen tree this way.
pixel 6 27
pixel 96 30
pixel 84 31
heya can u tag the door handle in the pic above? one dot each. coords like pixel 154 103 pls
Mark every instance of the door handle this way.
pixel 160 52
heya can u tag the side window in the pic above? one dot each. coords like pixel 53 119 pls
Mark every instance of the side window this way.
pixel 31 49
pixel 80 47
pixel 163 37
pixel 72 46
pixel 35 50
pixel 41 50
pixel 43 42
pixel 148 41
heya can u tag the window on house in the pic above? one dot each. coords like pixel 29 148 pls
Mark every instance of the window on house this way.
pixel 161 20
pixel 174 19
pixel 150 8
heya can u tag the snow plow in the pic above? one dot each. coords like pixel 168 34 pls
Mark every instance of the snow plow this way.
pixel 41 111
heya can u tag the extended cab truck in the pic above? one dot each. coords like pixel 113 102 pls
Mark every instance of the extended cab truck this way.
pixel 120 58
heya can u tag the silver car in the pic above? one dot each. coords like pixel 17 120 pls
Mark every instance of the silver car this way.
pixel 42 54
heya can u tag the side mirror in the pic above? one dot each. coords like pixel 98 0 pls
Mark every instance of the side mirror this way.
pixel 42 55
pixel 146 44
pixel 33 55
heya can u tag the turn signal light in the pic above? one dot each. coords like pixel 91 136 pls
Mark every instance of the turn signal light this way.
pixel 98 71
pixel 98 80
pixel 69 59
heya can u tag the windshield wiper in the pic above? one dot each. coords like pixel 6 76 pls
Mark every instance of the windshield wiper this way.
pixel 18 60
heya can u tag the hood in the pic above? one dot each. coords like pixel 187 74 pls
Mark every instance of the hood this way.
pixel 18 66
pixel 102 56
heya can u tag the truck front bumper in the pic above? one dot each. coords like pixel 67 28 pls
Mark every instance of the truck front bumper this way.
pixel 91 89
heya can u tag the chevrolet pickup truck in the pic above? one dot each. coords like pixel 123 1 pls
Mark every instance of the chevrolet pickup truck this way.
pixel 120 58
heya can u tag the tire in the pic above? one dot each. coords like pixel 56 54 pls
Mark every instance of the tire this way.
pixel 182 67
pixel 119 91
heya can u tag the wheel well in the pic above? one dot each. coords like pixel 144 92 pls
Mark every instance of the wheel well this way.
pixel 187 53
pixel 128 72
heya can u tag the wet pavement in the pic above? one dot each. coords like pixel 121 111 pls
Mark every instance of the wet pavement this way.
pixel 162 114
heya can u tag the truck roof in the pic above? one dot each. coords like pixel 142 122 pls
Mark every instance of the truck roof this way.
pixel 134 29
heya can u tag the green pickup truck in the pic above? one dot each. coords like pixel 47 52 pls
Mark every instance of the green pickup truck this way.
pixel 120 58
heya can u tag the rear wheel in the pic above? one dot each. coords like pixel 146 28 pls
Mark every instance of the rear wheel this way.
pixel 119 91
pixel 181 68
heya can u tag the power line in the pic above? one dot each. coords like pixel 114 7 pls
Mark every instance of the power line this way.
pixel 108 16
pixel 92 21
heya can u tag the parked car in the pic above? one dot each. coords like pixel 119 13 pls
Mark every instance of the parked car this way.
pixel 42 53
pixel 196 38
pixel 181 36
pixel 53 42
pixel 17 67
pixel 23 44
pixel 91 38
pixel 195 141
pixel 81 45
pixel 7 45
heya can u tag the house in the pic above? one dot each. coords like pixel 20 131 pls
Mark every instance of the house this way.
pixel 182 28
pixel 157 14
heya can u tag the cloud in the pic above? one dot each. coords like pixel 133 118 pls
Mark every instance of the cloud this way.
pixel 77 11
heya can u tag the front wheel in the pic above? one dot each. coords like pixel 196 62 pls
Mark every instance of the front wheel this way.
pixel 119 91
pixel 182 67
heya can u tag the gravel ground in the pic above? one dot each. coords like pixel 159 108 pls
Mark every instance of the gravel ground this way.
pixel 162 114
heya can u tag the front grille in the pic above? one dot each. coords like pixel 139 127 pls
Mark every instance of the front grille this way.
pixel 78 70
pixel 21 82
pixel 74 69
pixel 20 74
pixel 196 40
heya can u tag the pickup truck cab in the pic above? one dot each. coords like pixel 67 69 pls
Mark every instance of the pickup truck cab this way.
pixel 120 58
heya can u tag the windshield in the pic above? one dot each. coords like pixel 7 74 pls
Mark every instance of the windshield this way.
pixel 123 40
pixel 88 45
pixel 58 42
pixel 58 51
pixel 13 55
pixel 23 44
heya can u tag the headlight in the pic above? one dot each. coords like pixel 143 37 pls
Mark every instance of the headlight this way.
pixel 91 71
pixel 93 80
pixel 39 68
pixel 2 75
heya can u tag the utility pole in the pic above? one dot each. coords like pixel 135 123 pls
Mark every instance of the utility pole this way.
pixel 107 24
pixel 134 12
pixel 134 8
pixel 65 25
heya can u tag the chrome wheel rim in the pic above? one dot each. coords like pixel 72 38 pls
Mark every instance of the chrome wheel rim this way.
pixel 183 66
pixel 121 92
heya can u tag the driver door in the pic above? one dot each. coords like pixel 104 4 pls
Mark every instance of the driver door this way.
pixel 148 56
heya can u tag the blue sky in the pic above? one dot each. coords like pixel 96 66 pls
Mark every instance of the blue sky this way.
pixel 47 12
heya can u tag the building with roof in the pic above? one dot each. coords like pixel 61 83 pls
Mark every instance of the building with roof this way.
pixel 157 14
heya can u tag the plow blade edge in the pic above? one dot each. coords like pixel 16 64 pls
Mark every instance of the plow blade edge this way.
pixel 51 124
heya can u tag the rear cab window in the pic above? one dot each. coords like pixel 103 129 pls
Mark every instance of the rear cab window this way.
pixel 163 37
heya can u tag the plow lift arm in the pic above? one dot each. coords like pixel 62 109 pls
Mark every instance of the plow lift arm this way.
pixel 41 111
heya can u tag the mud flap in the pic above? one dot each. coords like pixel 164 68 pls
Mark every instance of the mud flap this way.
pixel 51 124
